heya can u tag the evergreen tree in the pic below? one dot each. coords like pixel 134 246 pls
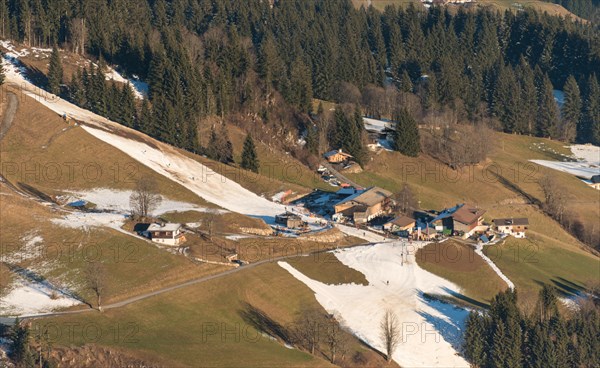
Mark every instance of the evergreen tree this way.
pixel 249 157
pixel 128 110
pixel 406 84
pixel 2 76
pixel 590 129
pixel 406 136
pixel 571 110
pixel 20 350
pixel 547 111
pixel 474 340
pixel 55 72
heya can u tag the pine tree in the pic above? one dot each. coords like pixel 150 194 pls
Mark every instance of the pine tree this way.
pixel 547 113
pixel 249 157
pixel 2 76
pixel 406 84
pixel 590 130
pixel 474 340
pixel 499 353
pixel 571 110
pixel 128 111
pixel 55 72
pixel 406 136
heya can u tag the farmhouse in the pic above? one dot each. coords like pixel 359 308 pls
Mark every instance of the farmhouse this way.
pixel 168 233
pixel 462 218
pixel 337 156
pixel 364 205
pixel 400 223
pixel 512 226
pixel 289 220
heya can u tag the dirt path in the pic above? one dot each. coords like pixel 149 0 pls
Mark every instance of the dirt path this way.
pixel 123 303
pixel 9 113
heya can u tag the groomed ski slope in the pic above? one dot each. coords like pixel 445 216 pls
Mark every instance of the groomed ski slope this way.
pixel 431 329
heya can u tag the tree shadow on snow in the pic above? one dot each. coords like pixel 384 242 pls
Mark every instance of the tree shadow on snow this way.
pixel 35 278
pixel 450 329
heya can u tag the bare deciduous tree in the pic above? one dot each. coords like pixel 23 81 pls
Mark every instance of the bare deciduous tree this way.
pixel 390 333
pixel 335 339
pixel 78 34
pixel 95 275
pixel 405 201
pixel 554 197
pixel 307 327
pixel 144 198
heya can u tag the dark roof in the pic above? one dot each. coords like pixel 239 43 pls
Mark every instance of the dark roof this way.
pixel 511 221
pixel 368 197
pixel 595 179
pixel 467 214
pixel 402 221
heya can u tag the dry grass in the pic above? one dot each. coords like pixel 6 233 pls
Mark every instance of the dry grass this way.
pixel 326 268
pixel 458 263
pixel 184 326
pixel 44 152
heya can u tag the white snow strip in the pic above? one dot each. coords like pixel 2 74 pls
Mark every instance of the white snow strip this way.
pixel 431 330
pixel 580 169
pixel 479 250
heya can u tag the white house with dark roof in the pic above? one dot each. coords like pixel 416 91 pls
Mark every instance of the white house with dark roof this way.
pixel 512 226
pixel 166 233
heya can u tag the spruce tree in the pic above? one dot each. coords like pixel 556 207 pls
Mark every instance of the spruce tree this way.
pixel 249 157
pixel 2 76
pixel 590 130
pixel 547 113
pixel 406 136
pixel 406 84
pixel 55 72
pixel 474 340
pixel 571 110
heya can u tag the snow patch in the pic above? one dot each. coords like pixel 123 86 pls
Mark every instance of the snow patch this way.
pixel 30 295
pixel 432 330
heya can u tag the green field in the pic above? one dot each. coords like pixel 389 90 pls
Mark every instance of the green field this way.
pixel 459 264
pixel 227 319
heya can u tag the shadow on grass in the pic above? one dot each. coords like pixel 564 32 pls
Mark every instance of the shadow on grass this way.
pixel 466 299
pixel 258 319
pixel 564 288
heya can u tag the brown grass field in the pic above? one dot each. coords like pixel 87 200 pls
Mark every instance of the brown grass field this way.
pixel 214 319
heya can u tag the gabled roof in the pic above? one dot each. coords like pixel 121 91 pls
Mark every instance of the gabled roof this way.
pixel 164 227
pixel 368 197
pixel 463 213
pixel 511 221
pixel 401 221
pixel 336 152
pixel 467 214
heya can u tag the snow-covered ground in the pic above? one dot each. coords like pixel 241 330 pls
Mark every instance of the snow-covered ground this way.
pixel 432 330
pixel 29 295
pixel 586 166
pixel 374 125
pixel 140 89
pixel 118 201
